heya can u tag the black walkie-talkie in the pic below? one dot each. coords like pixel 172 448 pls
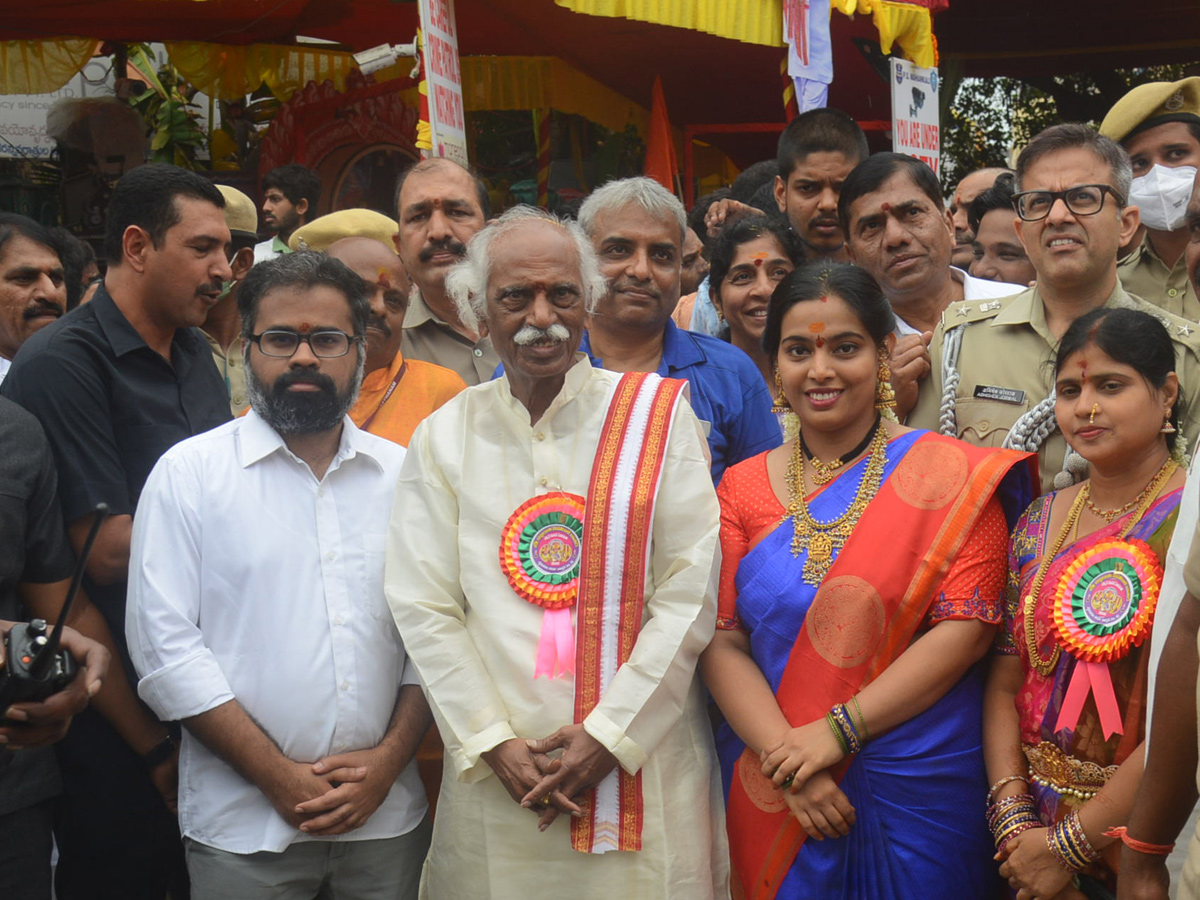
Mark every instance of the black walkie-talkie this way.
pixel 34 666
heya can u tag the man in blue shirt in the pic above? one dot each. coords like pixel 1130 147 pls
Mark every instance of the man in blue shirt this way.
pixel 637 228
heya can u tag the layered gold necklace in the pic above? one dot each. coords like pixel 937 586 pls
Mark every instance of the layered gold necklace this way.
pixel 1142 502
pixel 821 539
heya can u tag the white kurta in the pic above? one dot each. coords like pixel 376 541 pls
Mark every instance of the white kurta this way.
pixel 473 641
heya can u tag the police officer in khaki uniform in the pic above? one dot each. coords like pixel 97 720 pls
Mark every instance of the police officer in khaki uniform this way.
pixel 1158 124
pixel 991 383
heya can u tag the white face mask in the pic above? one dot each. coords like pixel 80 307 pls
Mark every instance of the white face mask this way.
pixel 1162 196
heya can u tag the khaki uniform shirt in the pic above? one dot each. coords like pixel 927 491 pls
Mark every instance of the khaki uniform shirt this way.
pixel 232 366
pixel 1006 368
pixel 428 338
pixel 1144 275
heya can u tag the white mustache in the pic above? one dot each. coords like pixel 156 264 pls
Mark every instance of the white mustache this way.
pixel 530 334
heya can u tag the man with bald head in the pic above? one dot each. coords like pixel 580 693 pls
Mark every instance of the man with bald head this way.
pixel 529 510
pixel 974 184
pixel 397 393
pixel 440 205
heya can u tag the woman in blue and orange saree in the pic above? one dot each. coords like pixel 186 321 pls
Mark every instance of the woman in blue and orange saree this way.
pixel 861 584
pixel 1065 712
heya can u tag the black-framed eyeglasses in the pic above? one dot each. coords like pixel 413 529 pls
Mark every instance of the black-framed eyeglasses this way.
pixel 1081 200
pixel 328 344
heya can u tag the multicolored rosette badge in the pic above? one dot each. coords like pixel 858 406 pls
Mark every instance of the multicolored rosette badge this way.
pixel 1105 606
pixel 540 550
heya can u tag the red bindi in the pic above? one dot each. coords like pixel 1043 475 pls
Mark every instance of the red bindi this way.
pixel 820 341
pixel 758 258
pixel 886 207
pixel 824 299
pixel 305 328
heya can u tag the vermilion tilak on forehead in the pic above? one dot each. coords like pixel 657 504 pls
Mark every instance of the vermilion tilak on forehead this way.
pixel 384 278
pixel 886 206
pixel 758 258
pixel 305 328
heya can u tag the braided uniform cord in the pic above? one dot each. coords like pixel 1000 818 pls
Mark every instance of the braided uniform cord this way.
pixel 951 345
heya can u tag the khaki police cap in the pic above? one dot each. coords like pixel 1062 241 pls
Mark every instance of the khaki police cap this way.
pixel 320 233
pixel 241 215
pixel 1148 105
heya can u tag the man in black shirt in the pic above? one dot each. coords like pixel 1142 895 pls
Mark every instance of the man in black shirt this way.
pixel 35 563
pixel 115 383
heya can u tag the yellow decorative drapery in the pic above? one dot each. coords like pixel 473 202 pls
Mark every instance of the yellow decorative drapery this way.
pixel 40 67
pixel 541 82
pixel 220 70
pixel 230 72
pixel 752 21
pixel 905 25
pixel 908 26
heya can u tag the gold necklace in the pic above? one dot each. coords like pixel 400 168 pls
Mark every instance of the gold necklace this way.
pixel 825 472
pixel 1148 495
pixel 823 538
pixel 1111 515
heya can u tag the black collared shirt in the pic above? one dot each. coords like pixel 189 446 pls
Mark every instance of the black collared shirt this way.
pixel 111 407
pixel 34 549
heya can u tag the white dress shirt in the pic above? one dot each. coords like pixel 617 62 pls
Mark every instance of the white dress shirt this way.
pixel 251 580
pixel 973 289
pixel 5 365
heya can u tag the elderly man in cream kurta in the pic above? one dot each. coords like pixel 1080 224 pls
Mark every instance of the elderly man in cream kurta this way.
pixel 492 661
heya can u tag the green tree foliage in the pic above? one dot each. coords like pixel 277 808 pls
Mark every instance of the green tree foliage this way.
pixel 990 118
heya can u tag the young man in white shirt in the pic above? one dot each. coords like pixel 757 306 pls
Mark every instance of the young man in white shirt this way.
pixel 256 616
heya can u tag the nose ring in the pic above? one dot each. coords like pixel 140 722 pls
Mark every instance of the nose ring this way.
pixel 1092 417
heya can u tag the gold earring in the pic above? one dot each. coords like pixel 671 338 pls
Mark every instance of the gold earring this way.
pixel 885 397
pixel 780 403
pixel 1167 428
pixel 1092 417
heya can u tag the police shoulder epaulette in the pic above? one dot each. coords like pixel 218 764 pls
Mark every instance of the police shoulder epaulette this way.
pixel 972 311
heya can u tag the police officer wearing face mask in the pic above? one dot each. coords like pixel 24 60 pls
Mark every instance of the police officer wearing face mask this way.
pixel 1158 124
pixel 223 327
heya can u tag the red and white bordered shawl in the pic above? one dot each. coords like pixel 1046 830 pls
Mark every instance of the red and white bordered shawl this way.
pixel 618 516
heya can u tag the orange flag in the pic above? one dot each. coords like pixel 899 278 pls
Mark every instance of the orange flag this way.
pixel 661 164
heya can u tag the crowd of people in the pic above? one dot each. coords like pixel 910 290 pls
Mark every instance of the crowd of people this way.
pixel 826 540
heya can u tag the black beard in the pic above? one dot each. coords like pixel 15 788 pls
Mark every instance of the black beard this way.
pixel 303 412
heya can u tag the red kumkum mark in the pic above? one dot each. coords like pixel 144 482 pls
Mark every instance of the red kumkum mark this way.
pixel 887 207
pixel 824 299
pixel 384 278
pixel 305 328
pixel 758 258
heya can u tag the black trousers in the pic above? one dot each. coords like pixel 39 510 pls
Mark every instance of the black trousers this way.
pixel 116 838
pixel 25 852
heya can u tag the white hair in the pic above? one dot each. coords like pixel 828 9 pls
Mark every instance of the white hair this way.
pixel 466 283
pixel 640 191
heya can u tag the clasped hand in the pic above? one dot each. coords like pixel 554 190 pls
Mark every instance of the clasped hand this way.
pixel 799 764
pixel 1031 869
pixel 547 785
pixel 334 795
pixel 801 753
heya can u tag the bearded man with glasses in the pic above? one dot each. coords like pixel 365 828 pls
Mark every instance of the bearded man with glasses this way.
pixel 991 383
pixel 257 616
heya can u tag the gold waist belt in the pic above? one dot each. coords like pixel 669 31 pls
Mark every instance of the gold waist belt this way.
pixel 1067 776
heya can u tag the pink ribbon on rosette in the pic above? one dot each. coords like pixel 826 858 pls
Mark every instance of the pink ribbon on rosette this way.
pixel 556 646
pixel 1093 678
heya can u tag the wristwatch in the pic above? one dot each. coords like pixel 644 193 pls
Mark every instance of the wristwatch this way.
pixel 159 753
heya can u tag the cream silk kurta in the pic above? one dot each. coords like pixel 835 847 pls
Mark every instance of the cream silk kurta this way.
pixel 473 641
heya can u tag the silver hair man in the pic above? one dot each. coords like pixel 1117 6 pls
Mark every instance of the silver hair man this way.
pixel 640 191
pixel 467 282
